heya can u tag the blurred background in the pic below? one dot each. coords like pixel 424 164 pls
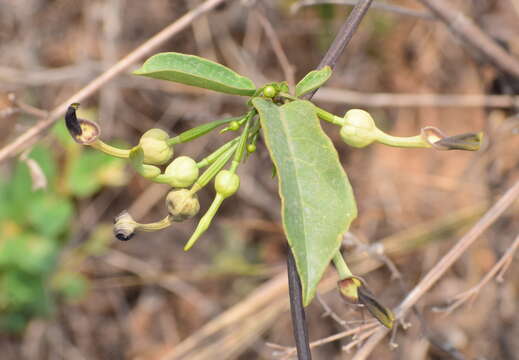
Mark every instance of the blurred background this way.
pixel 70 290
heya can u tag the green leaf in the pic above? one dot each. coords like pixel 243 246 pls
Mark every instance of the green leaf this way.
pixel 50 215
pixel 313 80
pixel 92 170
pixel 196 71
pixel 317 200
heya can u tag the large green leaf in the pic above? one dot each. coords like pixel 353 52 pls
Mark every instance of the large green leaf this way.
pixel 313 80
pixel 196 71
pixel 317 201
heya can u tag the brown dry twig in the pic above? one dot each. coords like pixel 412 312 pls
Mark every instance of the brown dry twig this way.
pixel 29 136
pixel 468 31
pixel 496 271
pixel 442 266
pixel 287 352
pixel 376 5
pixel 356 98
pixel 288 68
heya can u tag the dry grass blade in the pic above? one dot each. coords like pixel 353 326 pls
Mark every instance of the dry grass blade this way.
pixel 227 329
pixel 496 271
pixel 356 98
pixel 465 28
pixel 443 265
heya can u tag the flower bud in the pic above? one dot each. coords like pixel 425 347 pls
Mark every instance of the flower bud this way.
pixel 234 126
pixel 358 128
pixel 182 171
pixel 226 183
pixel 182 204
pixel 269 91
pixel 124 226
pixel 155 147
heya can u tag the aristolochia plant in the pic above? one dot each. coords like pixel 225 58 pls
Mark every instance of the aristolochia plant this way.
pixel 318 205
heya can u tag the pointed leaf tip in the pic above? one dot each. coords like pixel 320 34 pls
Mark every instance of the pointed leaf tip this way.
pixel 317 200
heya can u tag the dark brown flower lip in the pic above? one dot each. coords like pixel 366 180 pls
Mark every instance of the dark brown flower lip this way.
pixel 438 140
pixel 72 122
pixel 379 312
pixel 353 290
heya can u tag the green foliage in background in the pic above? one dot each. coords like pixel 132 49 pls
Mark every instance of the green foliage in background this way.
pixel 35 226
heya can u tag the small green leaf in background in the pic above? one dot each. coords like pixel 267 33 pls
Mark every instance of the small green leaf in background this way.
pixel 50 214
pixel 317 200
pixel 313 80
pixel 70 284
pixel 196 71
pixel 92 170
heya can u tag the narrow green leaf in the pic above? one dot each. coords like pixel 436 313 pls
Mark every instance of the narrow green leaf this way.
pixel 313 80
pixel 196 71
pixel 317 200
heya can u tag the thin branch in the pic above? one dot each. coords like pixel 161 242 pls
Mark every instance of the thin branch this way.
pixel 281 55
pixel 443 265
pixel 29 136
pixel 356 98
pixel 376 5
pixel 297 310
pixel 289 351
pixel 345 34
pixel 469 32
pixel 470 294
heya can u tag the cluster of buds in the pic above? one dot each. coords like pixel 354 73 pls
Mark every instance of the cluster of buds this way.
pixel 156 149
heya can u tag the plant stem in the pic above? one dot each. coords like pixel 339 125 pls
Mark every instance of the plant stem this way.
pixel 199 131
pixel 326 116
pixel 297 310
pixel 240 149
pixel 212 170
pixel 403 142
pixel 110 150
pixel 341 266
pixel 208 160
pixel 205 221
pixel 164 223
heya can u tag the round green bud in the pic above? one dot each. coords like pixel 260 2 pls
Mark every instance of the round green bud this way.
pixel 226 183
pixel 359 129
pixel 234 125
pixel 183 171
pixel 182 204
pixel 269 91
pixel 251 148
pixel 155 147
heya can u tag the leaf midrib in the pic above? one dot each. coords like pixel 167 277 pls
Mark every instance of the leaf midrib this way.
pixel 299 200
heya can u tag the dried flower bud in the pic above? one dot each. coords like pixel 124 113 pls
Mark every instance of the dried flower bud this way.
pixel 82 131
pixel 155 147
pixel 358 128
pixel 124 226
pixel 354 290
pixel 182 204
pixel 183 171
